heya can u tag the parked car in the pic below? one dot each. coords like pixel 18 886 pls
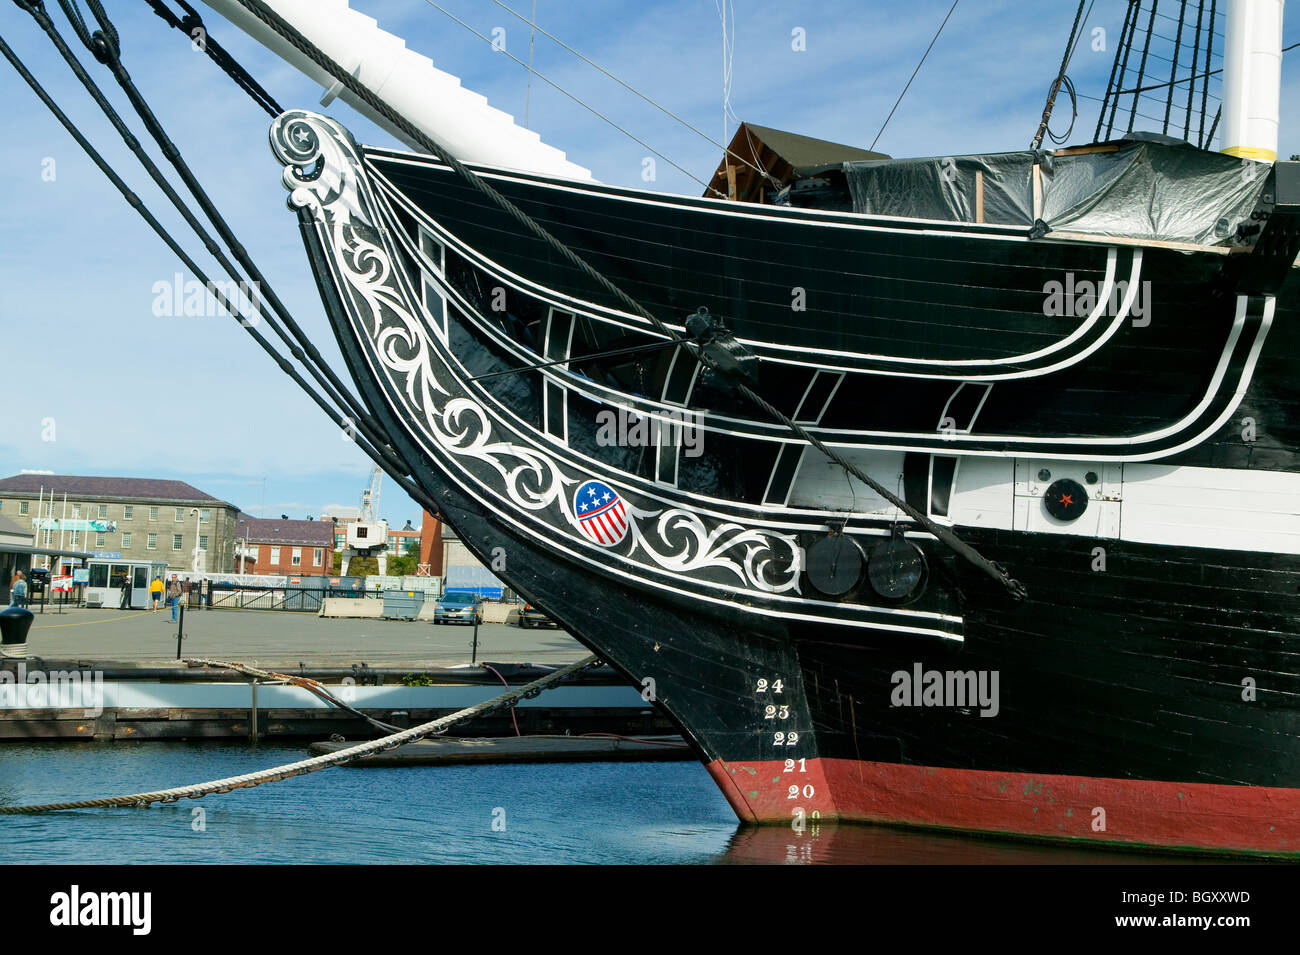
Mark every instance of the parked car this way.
pixel 458 607
pixel 530 616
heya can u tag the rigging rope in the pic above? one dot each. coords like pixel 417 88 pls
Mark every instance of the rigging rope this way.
pixel 636 92
pixel 933 40
pixel 191 22
pixel 104 45
pixel 316 763
pixel 1056 83
pixel 136 203
pixel 107 50
pixel 315 687
pixel 288 32
pixel 590 109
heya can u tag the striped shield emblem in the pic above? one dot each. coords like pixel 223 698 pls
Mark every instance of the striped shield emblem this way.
pixel 601 513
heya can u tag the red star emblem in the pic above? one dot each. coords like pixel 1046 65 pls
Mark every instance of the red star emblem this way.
pixel 1067 499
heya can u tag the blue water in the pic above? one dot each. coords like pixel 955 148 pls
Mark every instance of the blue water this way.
pixel 562 813
pixel 553 813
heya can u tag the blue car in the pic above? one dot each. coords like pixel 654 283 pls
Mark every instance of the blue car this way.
pixel 458 608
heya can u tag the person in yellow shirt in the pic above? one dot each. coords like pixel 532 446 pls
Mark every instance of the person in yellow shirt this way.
pixel 156 591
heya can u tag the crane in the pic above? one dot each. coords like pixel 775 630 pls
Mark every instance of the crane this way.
pixel 369 535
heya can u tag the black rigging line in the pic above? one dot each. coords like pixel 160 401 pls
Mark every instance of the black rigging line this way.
pixel 1142 66
pixel 1191 86
pixel 138 205
pixel 1126 44
pixel 104 44
pixel 107 49
pixel 933 39
pixel 578 360
pixel 945 535
pixel 1056 84
pixel 192 22
pixel 1201 140
pixel 1173 67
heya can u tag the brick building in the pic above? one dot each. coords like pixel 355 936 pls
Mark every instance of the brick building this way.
pixel 131 518
pixel 340 517
pixel 403 541
pixel 285 547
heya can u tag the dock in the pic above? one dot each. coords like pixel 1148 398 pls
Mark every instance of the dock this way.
pixel 113 675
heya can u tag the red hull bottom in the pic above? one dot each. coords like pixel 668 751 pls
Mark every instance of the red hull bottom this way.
pixel 1114 812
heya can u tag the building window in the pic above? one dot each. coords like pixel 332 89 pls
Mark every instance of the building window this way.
pixel 73 539
pixel 297 556
pixel 318 556
pixel 153 513
pixel 126 539
pixel 275 555
pixel 203 515
pixel 99 540
pixel 49 534
pixel 203 542
pixel 22 506
pixel 151 542
pixel 176 542
pixel 102 510
pixel 180 514
pixel 128 511
pixel 49 508
pixel 76 510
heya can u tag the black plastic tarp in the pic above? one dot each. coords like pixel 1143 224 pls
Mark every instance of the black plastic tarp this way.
pixel 1139 190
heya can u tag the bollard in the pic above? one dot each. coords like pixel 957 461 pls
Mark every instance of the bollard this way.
pixel 252 713
pixel 14 624
pixel 180 628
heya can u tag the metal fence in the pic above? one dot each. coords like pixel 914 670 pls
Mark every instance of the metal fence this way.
pixel 230 597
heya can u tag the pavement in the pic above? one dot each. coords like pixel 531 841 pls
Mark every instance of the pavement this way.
pixel 285 638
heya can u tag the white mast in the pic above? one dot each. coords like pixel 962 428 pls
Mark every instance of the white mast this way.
pixel 431 99
pixel 1252 79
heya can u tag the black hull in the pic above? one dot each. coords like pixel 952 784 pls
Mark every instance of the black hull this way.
pixel 1161 686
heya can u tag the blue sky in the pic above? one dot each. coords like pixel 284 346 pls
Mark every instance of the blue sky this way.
pixel 194 398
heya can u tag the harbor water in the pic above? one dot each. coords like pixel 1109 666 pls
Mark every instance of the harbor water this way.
pixel 619 813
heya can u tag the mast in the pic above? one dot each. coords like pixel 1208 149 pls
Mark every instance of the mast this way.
pixel 408 83
pixel 1252 79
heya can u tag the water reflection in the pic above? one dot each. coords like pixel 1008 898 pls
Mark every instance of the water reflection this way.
pixel 849 844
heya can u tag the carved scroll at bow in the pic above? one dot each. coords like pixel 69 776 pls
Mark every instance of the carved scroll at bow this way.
pixel 324 174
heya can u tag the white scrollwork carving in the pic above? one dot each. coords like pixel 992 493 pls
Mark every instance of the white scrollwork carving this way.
pixel 324 175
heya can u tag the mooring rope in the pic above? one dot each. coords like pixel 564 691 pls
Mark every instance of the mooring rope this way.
pixel 316 763
pixel 314 687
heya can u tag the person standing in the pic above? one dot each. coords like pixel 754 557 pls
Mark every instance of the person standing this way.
pixel 174 595
pixel 156 591
pixel 18 590
pixel 125 603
